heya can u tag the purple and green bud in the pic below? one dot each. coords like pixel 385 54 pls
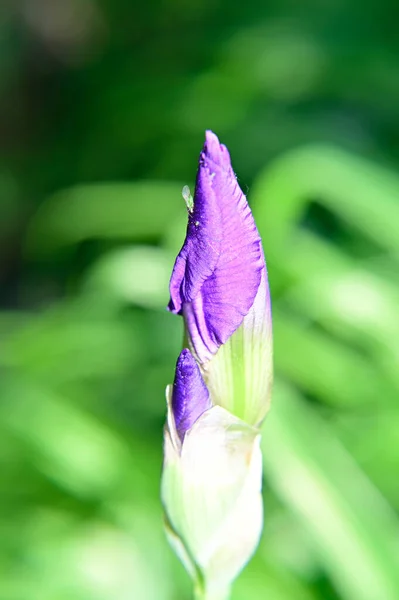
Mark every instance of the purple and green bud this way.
pixel 190 396
pixel 221 392
pixel 219 284
pixel 218 270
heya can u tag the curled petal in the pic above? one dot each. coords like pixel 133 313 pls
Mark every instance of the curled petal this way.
pixel 190 397
pixel 219 268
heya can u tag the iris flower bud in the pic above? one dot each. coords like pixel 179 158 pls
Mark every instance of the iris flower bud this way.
pixel 219 284
pixel 211 485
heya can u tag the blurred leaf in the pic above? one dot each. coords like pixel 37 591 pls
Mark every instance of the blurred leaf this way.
pixel 73 448
pixel 354 529
pixel 63 345
pixel 260 579
pixel 139 275
pixel 371 437
pixel 127 211
pixel 325 367
pixel 363 194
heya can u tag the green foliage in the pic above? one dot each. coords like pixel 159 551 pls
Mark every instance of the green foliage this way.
pixel 101 123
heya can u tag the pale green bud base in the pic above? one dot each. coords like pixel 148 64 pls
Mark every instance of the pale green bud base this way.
pixel 211 491
pixel 239 376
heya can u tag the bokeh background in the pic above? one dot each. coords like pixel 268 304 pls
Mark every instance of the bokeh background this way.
pixel 103 107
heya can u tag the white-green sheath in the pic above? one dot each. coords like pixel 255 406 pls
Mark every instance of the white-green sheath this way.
pixel 211 490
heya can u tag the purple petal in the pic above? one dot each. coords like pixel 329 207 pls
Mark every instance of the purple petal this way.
pixel 190 397
pixel 218 270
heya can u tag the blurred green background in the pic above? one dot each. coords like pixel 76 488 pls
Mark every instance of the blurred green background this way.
pixel 103 107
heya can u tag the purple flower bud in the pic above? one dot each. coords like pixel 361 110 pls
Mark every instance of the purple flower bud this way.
pixel 190 397
pixel 219 269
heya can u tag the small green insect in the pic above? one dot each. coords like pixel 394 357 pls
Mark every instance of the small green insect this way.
pixel 188 199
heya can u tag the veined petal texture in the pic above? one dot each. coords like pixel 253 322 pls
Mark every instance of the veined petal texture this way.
pixel 218 271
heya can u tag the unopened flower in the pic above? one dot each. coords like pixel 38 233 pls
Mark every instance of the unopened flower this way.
pixel 219 284
pixel 221 393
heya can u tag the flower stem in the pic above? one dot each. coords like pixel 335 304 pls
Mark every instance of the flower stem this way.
pixel 212 593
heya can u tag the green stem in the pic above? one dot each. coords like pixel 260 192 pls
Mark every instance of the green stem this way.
pixel 208 592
